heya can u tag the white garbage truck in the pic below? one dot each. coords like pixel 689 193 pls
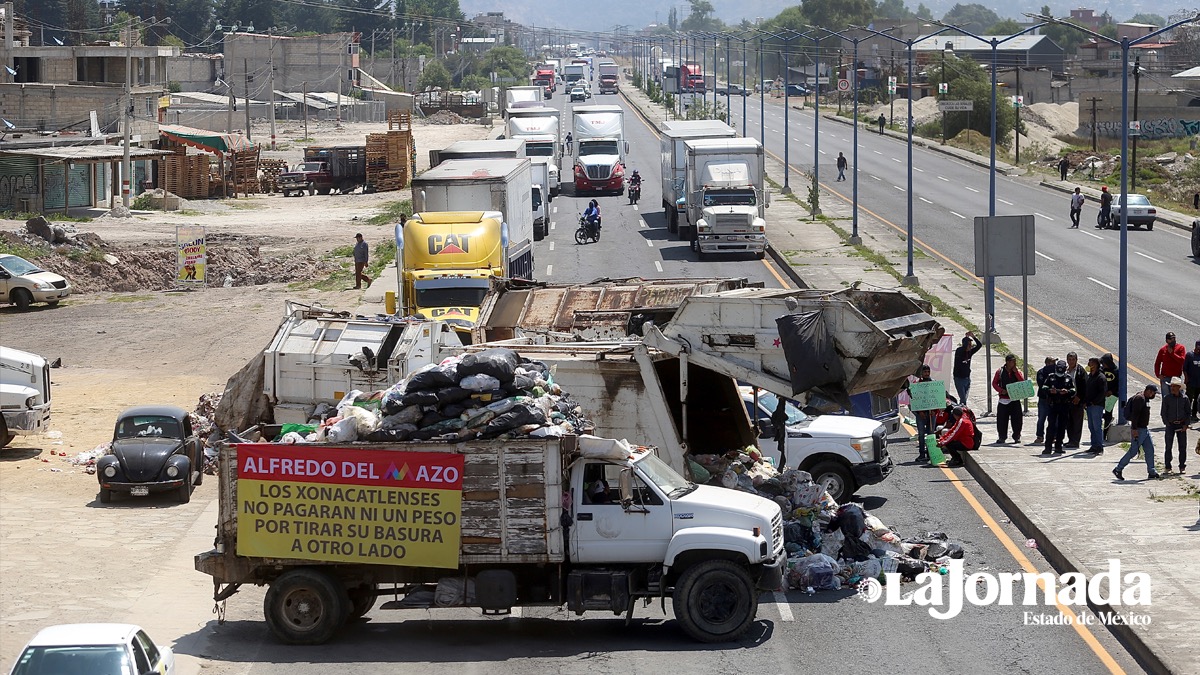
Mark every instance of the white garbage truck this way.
pixel 24 394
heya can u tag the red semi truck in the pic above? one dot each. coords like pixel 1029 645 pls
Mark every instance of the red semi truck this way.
pixel 544 78
pixel 691 78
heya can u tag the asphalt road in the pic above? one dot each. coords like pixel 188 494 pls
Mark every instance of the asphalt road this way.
pixel 795 632
pixel 1077 275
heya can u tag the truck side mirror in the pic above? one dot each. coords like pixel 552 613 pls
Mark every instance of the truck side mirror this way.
pixel 626 488
pixel 627 147
pixel 767 198
pixel 766 429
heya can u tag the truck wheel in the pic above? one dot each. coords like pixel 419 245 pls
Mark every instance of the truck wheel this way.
pixel 305 607
pixel 105 496
pixel 22 298
pixel 362 600
pixel 324 190
pixel 835 477
pixel 5 437
pixel 714 601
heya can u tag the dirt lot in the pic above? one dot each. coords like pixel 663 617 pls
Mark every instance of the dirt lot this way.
pixel 63 557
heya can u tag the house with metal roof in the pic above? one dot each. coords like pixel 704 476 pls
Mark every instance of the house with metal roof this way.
pixel 1024 51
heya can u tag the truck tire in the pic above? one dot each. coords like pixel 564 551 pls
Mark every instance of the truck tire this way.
pixel 5 437
pixel 305 607
pixel 324 190
pixel 184 493
pixel 836 478
pixel 714 601
pixel 362 600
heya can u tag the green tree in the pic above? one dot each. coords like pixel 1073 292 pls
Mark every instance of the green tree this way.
pixel 476 82
pixel 82 15
pixel 792 18
pixel 192 22
pixel 434 75
pixel 923 12
pixel 262 15
pixel 308 19
pixel 1004 27
pixel 505 62
pixel 972 17
pixel 1064 36
pixel 701 17
pixel 838 14
pixel 969 81
pixel 892 9
pixel 1152 19
pixel 366 14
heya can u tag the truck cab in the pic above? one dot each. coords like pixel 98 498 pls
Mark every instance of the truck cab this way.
pixel 24 394
pixel 306 177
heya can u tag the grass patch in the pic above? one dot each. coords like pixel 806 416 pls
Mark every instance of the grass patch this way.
pixel 130 298
pixel 52 217
pixel 246 205
pixel 304 140
pixel 382 255
pixel 91 255
pixel 21 250
pixel 391 212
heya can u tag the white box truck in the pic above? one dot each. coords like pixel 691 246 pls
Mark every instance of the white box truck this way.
pixel 24 394
pixel 540 129
pixel 674 162
pixel 501 148
pixel 529 96
pixel 726 196
pixel 599 148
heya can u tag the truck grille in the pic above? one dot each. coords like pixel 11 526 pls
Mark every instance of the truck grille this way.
pixel 777 533
pixel 730 221
pixel 59 284
pixel 880 438
pixel 598 172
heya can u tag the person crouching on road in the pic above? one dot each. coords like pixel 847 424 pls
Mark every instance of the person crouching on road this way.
pixel 1175 416
pixel 958 438
pixel 1008 410
pixel 1094 392
pixel 1137 411
pixel 362 253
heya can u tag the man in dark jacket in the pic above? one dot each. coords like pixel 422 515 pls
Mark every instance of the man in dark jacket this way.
pixel 1191 381
pixel 1108 368
pixel 1043 406
pixel 962 365
pixel 1095 390
pixel 1175 417
pixel 1059 389
pixel 1138 412
pixel 1078 373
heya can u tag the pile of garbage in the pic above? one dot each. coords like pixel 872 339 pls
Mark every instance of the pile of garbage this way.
pixel 445 117
pixel 829 545
pixel 488 394
pixel 87 459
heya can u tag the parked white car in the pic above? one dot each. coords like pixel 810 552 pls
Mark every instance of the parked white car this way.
pixel 94 648
pixel 22 283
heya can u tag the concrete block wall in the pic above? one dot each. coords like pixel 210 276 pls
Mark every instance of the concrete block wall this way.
pixel 316 60
pixel 47 107
pixel 195 72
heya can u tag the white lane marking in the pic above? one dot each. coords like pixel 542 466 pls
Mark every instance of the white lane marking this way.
pixel 1004 200
pixel 1042 215
pixel 635 208
pixel 1044 256
pixel 808 145
pixel 554 209
pixel 650 243
pixel 875 177
pixel 552 225
pixel 642 223
pixel 1188 322
pixel 919 170
pixel 824 153
pixel 515 612
pixel 549 270
pixel 551 246
pixel 958 214
pixel 971 189
pixel 1092 235
pixel 1183 236
pixel 897 160
pixel 785 609
pixel 925 200
pixel 1147 257
pixel 899 188
pixel 658 265
pixel 945 179
pixel 877 152
pixel 1102 283
pixel 862 146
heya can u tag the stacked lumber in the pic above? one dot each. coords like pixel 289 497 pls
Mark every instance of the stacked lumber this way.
pixel 389 157
pixel 184 175
pixel 271 170
pixel 244 174
pixel 399 120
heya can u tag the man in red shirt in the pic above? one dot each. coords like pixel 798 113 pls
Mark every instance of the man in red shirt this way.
pixel 959 437
pixel 1169 362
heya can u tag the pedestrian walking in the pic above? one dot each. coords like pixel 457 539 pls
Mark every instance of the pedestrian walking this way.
pixel 1063 165
pixel 962 365
pixel 1076 415
pixel 1169 362
pixel 1191 381
pixel 1137 411
pixel 1043 405
pixel 361 256
pixel 1095 389
pixel 1174 413
pixel 1105 215
pixel 841 166
pixel 1008 411
pixel 883 123
pixel 1112 374
pixel 1059 389
pixel 1077 200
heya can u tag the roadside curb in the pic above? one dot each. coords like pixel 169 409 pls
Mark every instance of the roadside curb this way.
pixel 1063 562
pixel 1172 218
pixel 786 267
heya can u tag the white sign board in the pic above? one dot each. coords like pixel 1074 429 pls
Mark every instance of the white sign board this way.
pixel 956 106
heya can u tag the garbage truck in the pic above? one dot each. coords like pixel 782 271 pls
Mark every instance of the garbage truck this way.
pixel 672 139
pixel 726 196
pixel 577 521
pixel 599 149
pixel 24 394
pixel 539 128
pixel 660 362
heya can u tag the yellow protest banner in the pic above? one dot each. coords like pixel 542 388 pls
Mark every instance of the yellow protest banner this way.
pixel 349 505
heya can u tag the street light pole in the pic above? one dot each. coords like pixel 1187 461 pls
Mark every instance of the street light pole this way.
pixel 1137 86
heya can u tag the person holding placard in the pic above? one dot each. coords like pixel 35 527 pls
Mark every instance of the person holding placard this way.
pixel 924 417
pixel 1007 410
pixel 1111 372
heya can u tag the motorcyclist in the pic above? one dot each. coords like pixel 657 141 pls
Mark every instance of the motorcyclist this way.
pixel 635 186
pixel 592 215
pixel 569 141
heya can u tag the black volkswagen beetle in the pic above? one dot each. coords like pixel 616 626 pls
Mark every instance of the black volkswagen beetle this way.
pixel 153 450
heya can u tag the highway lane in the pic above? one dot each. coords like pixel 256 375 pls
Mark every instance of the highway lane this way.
pixel 1077 269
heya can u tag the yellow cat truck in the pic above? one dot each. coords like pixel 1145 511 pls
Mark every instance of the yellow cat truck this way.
pixel 449 259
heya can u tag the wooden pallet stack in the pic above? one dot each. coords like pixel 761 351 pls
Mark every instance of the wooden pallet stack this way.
pixel 271 170
pixel 389 156
pixel 244 175
pixel 184 175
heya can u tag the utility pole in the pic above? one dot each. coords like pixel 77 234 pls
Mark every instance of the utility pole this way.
pixel 304 107
pixel 271 86
pixel 126 166
pixel 1094 100
pixel 229 111
pixel 1017 105
pixel 341 74
pixel 392 51
pixel 1137 81
pixel 248 77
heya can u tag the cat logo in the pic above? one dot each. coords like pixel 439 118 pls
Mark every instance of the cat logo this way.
pixel 449 243
pixel 449 313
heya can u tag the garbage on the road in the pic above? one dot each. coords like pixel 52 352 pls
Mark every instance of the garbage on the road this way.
pixel 493 393
pixel 87 458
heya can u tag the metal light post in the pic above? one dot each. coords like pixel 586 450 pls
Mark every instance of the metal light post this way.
pixel 1123 286
pixel 787 116
pixel 855 239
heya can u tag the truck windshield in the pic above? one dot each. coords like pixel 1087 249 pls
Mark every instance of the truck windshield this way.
pixel 767 401
pixel 730 198
pixel 597 148
pixel 450 297
pixel 656 471
pixel 309 166
pixel 539 149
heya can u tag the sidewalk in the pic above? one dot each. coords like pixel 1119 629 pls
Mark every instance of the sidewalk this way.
pixel 1070 505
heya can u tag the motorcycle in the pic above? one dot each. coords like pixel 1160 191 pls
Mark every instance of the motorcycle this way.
pixel 635 192
pixel 587 230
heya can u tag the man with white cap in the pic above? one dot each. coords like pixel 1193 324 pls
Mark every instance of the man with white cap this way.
pixel 1137 411
pixel 1175 417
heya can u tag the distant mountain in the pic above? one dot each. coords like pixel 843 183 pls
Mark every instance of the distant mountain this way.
pixel 584 14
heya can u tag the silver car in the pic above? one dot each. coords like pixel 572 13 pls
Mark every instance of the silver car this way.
pixel 1141 211
pixel 22 283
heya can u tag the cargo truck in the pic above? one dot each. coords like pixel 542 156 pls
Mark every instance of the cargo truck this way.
pixel 674 162
pixel 492 525
pixel 529 96
pixel 608 77
pixel 691 78
pixel 448 259
pixel 539 128
pixel 726 196
pixel 573 72
pixel 599 149
pixel 24 394
pixel 501 148
pixel 543 77
pixel 325 169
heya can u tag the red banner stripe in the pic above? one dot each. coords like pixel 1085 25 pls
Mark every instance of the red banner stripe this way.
pixel 349 466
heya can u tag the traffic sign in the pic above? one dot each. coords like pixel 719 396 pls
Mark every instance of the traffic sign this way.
pixel 956 106
pixel 943 88
pixel 843 84
pixel 1135 127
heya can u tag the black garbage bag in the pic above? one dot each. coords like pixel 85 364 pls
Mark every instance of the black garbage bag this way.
pixel 421 398
pixel 500 363
pixel 811 355
pixel 453 409
pixel 852 521
pixel 452 394
pixel 390 435
pixel 432 417
pixel 518 416
pixel 433 378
